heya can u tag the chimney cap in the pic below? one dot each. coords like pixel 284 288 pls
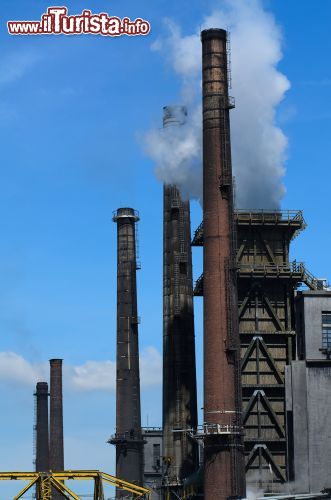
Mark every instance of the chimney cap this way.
pixel 213 33
pixel 41 388
pixel 41 385
pixel 56 360
pixel 174 114
pixel 125 213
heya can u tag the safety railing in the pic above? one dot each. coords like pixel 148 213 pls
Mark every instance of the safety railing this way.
pixel 296 270
pixel 273 217
pixel 205 430
pixel 267 269
pixel 270 216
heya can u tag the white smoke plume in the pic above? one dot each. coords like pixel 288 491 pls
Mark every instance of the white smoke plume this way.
pixel 254 481
pixel 90 376
pixel 176 151
pixel 258 144
pixel 253 493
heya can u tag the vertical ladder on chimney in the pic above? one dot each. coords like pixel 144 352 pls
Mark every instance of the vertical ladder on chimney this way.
pixel 228 57
pixel 136 231
pixel 225 174
pixel 177 204
pixel 176 284
pixel 229 305
pixel 182 248
pixel 34 444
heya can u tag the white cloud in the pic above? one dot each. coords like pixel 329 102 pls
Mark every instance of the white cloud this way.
pixel 258 144
pixel 101 375
pixel 14 368
pixel 150 367
pixel 90 376
pixel 93 375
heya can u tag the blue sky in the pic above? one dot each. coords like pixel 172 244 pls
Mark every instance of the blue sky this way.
pixel 73 113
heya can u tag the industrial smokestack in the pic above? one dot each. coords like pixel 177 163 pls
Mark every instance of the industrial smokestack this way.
pixel 174 116
pixel 56 452
pixel 42 440
pixel 223 446
pixel 179 373
pixel 128 438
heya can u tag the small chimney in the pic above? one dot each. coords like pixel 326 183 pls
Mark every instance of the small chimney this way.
pixel 56 453
pixel 42 440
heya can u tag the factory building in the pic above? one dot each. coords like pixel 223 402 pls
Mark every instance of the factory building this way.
pixel 313 323
pixel 308 383
pixel 255 391
pixel 267 281
pixel 252 262
pixel 153 460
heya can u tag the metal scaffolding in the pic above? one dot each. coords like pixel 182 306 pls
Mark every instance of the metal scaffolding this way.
pixel 45 482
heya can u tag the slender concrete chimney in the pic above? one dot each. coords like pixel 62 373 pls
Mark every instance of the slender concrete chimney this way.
pixel 223 445
pixel 42 440
pixel 179 373
pixel 128 438
pixel 56 452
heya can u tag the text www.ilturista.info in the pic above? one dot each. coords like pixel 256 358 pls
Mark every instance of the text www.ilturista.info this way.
pixel 56 22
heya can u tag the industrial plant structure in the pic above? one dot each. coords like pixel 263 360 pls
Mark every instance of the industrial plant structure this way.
pixel 41 427
pixel 153 462
pixel 308 383
pixel 49 447
pixel 267 347
pixel 128 437
pixel 180 457
pixel 246 255
pixel 266 289
pixel 56 447
pixel 222 433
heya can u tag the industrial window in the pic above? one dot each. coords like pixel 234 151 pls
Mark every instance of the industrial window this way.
pixel 326 329
pixel 156 455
